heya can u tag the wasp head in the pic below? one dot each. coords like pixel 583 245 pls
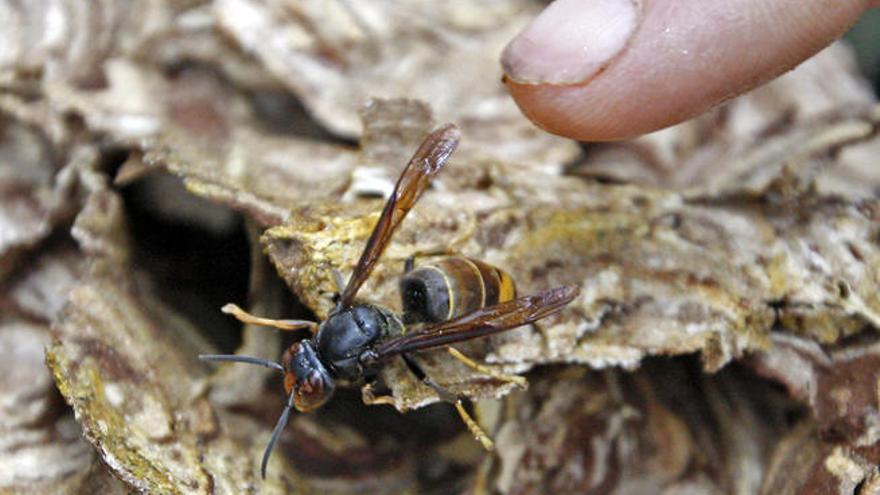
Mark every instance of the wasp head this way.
pixel 305 377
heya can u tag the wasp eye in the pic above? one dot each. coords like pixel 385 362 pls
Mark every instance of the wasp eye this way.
pixel 315 381
pixel 310 384
pixel 313 392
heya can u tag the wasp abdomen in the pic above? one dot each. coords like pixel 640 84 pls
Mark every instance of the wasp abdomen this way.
pixel 452 287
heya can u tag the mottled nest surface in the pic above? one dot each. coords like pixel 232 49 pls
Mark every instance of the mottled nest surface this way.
pixel 159 159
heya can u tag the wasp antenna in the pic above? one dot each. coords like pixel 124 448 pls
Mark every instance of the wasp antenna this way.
pixel 279 427
pixel 242 359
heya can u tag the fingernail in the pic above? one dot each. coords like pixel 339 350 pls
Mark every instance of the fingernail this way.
pixel 571 41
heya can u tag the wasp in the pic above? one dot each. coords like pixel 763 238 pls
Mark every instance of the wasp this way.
pixel 453 300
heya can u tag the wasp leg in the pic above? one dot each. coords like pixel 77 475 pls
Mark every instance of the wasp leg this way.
pixel 448 396
pixel 371 399
pixel 245 317
pixel 474 428
pixel 470 363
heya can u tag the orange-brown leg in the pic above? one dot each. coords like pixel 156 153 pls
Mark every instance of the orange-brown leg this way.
pixel 370 398
pixel 449 396
pixel 287 325
pixel 470 363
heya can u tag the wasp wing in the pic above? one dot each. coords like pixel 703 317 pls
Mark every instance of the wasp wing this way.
pixel 422 167
pixel 485 321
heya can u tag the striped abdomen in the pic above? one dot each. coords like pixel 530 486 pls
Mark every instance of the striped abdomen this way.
pixel 452 287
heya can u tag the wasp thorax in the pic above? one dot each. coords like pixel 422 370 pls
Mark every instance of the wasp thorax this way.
pixel 305 377
pixel 349 333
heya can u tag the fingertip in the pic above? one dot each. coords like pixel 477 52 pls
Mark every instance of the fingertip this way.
pixel 574 113
pixel 570 41
pixel 602 113
pixel 685 57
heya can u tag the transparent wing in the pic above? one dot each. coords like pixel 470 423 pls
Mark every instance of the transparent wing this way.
pixel 422 167
pixel 485 321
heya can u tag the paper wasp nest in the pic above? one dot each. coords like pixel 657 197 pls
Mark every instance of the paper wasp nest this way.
pixel 156 166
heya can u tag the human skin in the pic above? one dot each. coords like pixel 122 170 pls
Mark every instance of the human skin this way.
pixel 602 70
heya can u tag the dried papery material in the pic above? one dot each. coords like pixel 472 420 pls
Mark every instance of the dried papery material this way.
pixel 26 176
pixel 139 414
pixel 204 127
pixel 43 450
pixel 619 433
pixel 66 42
pixel 394 49
pixel 800 120
pixel 134 383
pixel 242 385
pixel 839 383
pixel 58 38
pixel 212 138
pixel 48 452
pixel 132 387
pixel 200 128
pixel 805 464
pixel 248 177
pixel 40 445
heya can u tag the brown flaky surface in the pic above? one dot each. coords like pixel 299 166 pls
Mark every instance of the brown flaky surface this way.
pixel 160 159
pixel 660 272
